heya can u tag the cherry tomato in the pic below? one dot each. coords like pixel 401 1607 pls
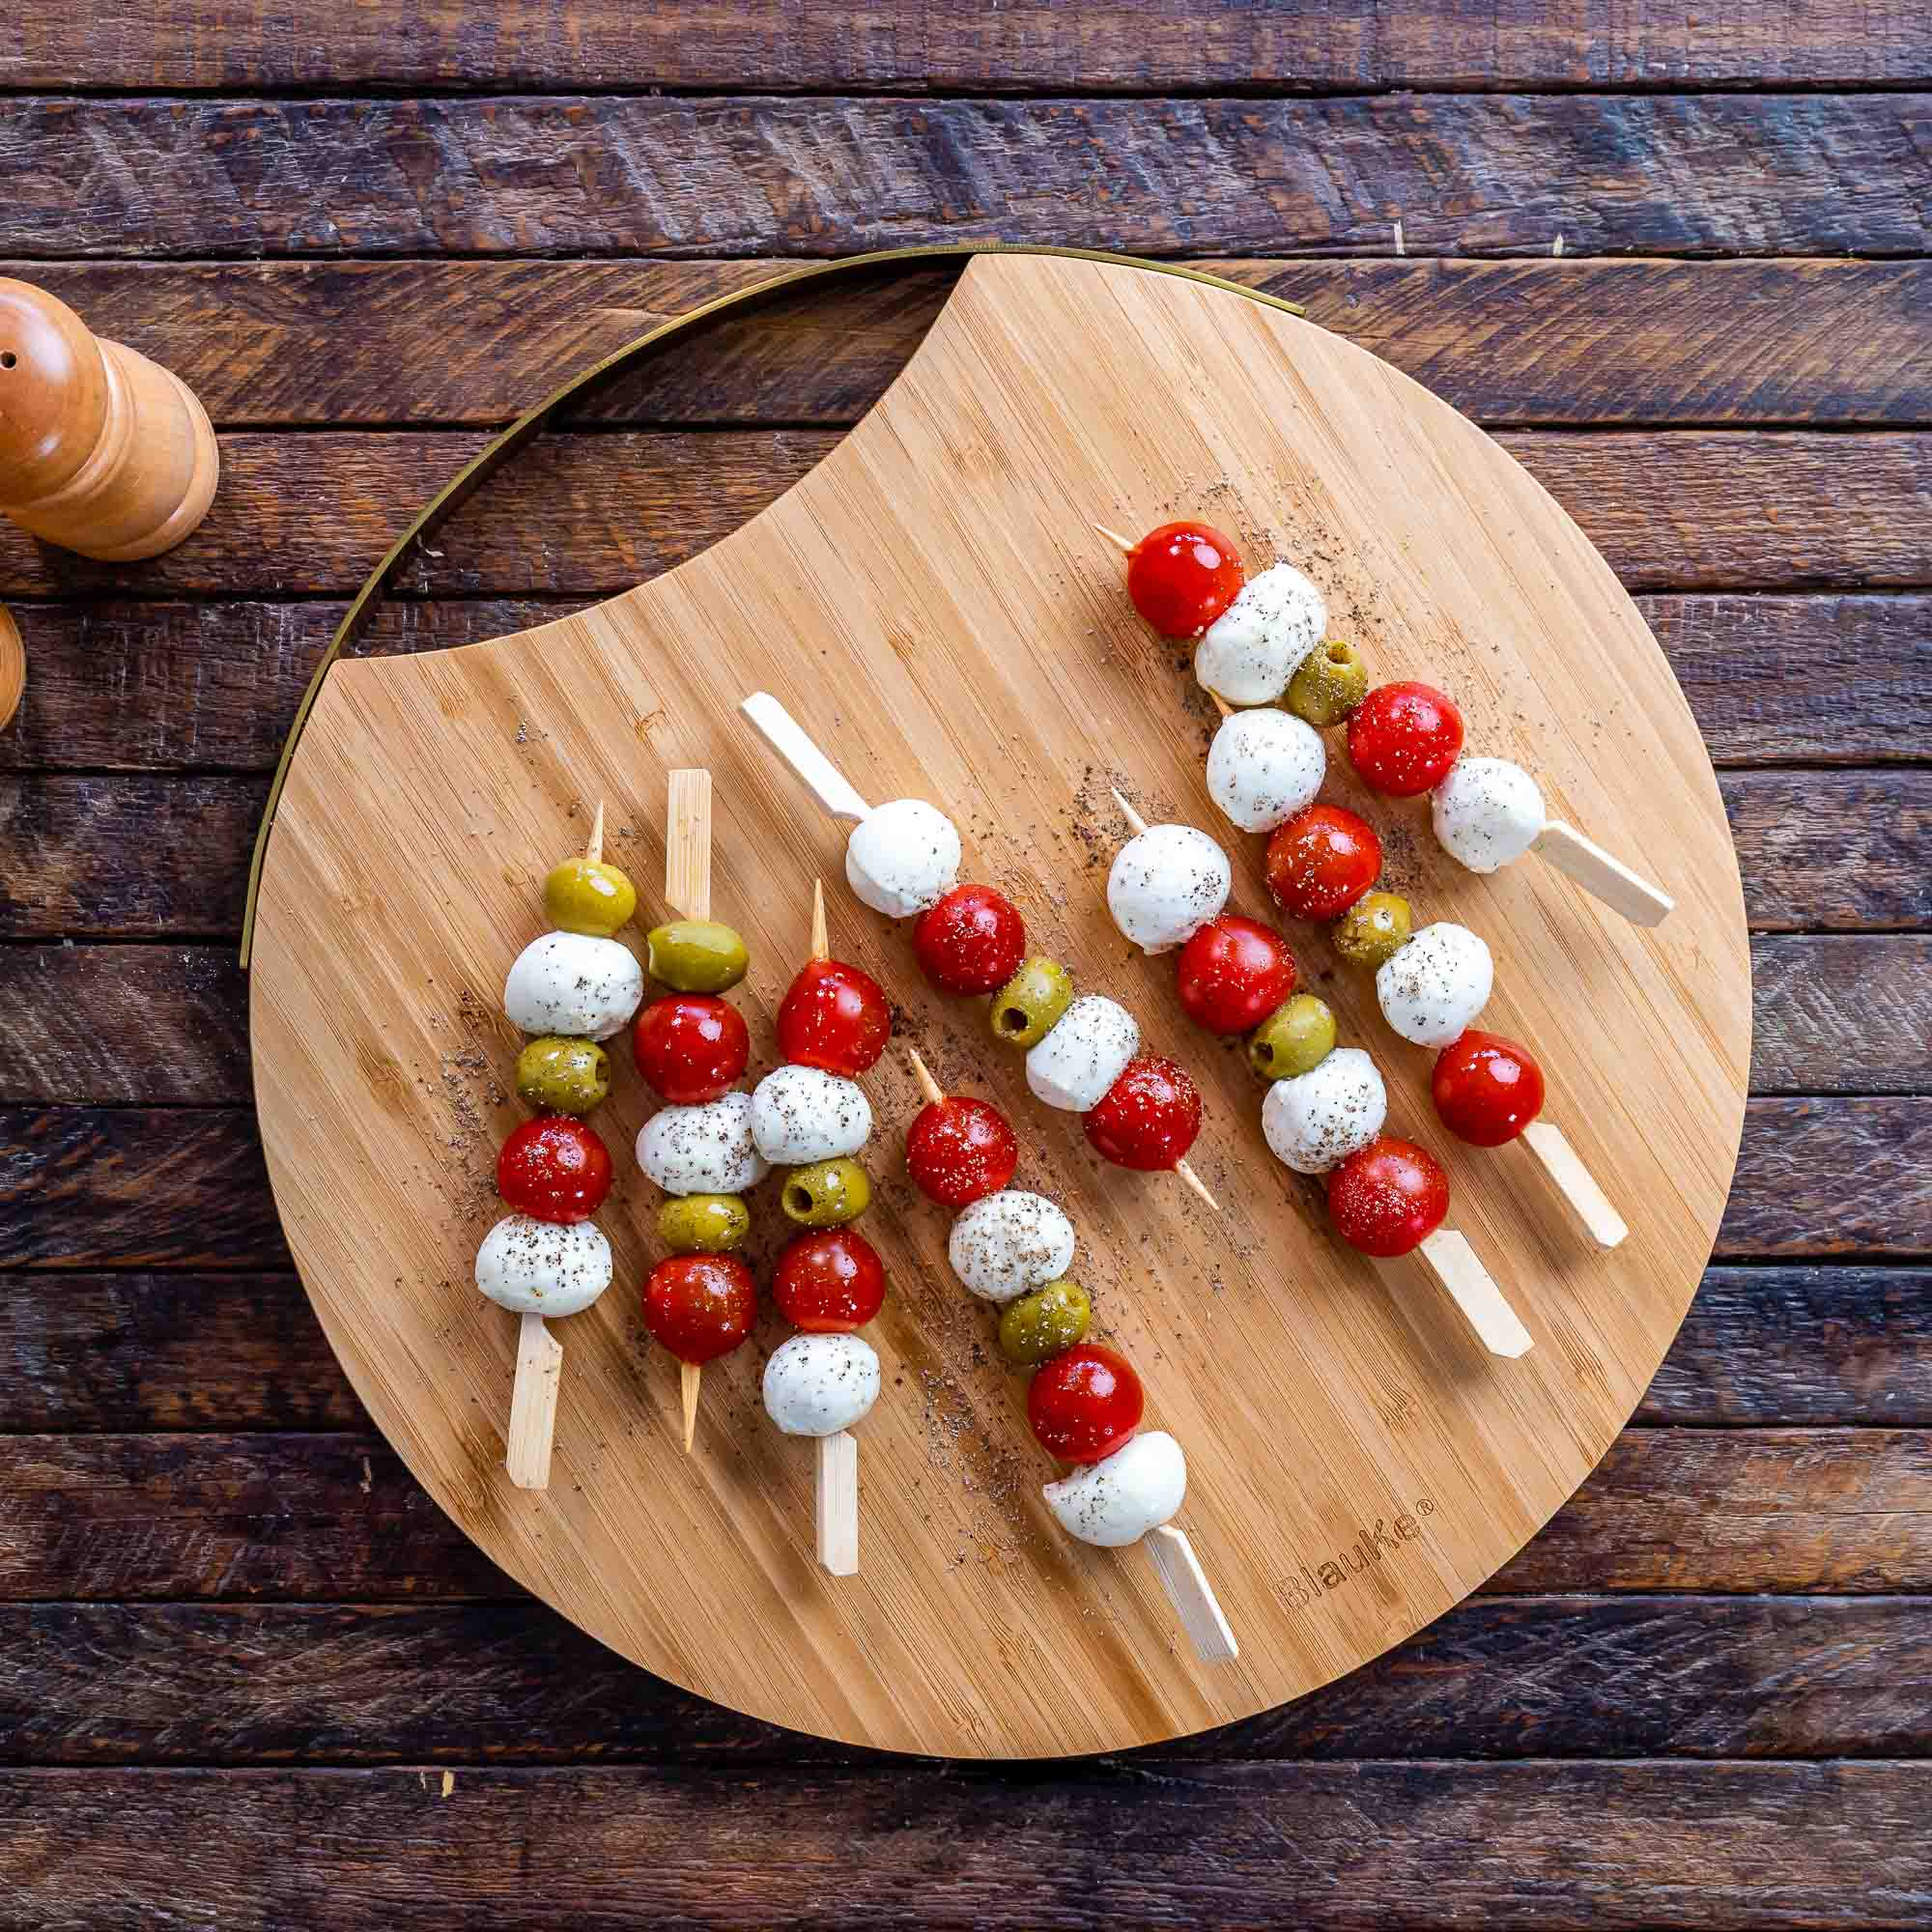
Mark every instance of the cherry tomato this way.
pixel 958 1150
pixel 1233 974
pixel 1404 737
pixel 1388 1197
pixel 1150 1116
pixel 700 1306
pixel 971 941
pixel 1085 1405
pixel 691 1046
pixel 1488 1089
pixel 554 1169
pixel 1322 861
pixel 1181 577
pixel 829 1283
pixel 835 1017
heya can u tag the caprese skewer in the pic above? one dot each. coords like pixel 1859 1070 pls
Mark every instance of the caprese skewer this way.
pixel 811 1116
pixel 1083 1054
pixel 1013 1248
pixel 570 990
pixel 692 1048
pixel 1325 1105
pixel 1261 642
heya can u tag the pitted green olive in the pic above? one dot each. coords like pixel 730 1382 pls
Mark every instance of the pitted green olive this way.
pixel 563 1076
pixel 583 895
pixel 697 956
pixel 1295 1038
pixel 1027 1006
pixel 1375 928
pixel 1045 1323
pixel 826 1193
pixel 1330 681
pixel 703 1224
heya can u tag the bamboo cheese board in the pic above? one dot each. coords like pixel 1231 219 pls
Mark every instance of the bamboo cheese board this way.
pixel 932 605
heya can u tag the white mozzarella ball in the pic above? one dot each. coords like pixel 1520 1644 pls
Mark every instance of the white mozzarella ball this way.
pixel 538 1268
pixel 1437 984
pixel 818 1385
pixel 574 984
pixel 1117 1500
pixel 1166 884
pixel 1263 766
pixel 1253 648
pixel 902 857
pixel 1008 1242
pixel 802 1113
pixel 1316 1119
pixel 1083 1053
pixel 1486 813
pixel 706 1149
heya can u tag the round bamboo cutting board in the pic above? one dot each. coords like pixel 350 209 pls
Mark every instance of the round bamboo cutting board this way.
pixel 933 603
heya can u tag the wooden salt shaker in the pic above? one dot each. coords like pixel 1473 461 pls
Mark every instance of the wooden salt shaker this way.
pixel 101 451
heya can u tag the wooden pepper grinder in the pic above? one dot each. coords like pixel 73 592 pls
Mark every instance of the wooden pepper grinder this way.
pixel 101 451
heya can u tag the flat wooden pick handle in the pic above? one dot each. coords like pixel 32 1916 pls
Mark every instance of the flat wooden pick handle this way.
pixel 688 844
pixel 838 1504
pixel 786 736
pixel 1191 1594
pixel 533 1405
pixel 1598 873
pixel 1450 1259
pixel 1587 1203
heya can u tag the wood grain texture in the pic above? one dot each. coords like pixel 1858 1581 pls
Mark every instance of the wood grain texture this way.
pixel 1600 342
pixel 765 46
pixel 169 686
pixel 1708 174
pixel 200 1683
pixel 1721 1847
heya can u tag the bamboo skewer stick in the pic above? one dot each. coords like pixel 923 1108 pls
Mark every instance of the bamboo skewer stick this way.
pixel 687 894
pixel 1172 1556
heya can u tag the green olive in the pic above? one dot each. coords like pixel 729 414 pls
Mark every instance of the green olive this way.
pixel 1374 929
pixel 580 896
pixel 1042 1325
pixel 826 1193
pixel 1331 681
pixel 697 956
pixel 1025 1007
pixel 703 1224
pixel 563 1076
pixel 1293 1040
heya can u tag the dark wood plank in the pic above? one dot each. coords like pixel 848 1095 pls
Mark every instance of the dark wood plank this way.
pixel 197 1684
pixel 779 46
pixel 1716 1847
pixel 1833 1177
pixel 1841 1014
pixel 337 1518
pixel 1466 174
pixel 1817 1346
pixel 273 343
pixel 152 856
pixel 118 684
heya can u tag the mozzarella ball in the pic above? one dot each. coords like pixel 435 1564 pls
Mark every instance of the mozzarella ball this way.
pixel 1316 1119
pixel 706 1149
pixel 803 1114
pixel 902 857
pixel 818 1385
pixel 1437 984
pixel 1116 1502
pixel 1008 1242
pixel 1167 883
pixel 1258 642
pixel 539 1267
pixel 1263 766
pixel 1084 1052
pixel 1487 811
pixel 574 984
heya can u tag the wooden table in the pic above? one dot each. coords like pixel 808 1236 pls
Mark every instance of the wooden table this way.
pixel 248 1675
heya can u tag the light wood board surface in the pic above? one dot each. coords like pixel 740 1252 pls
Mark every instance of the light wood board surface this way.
pixel 931 603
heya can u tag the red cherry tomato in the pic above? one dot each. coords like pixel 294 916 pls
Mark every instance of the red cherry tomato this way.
pixel 971 941
pixel 555 1169
pixel 831 1283
pixel 1084 1403
pixel 1321 861
pixel 1233 974
pixel 1404 737
pixel 691 1046
pixel 1181 577
pixel 957 1151
pixel 1387 1198
pixel 1148 1119
pixel 835 1017
pixel 1488 1089
pixel 700 1306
